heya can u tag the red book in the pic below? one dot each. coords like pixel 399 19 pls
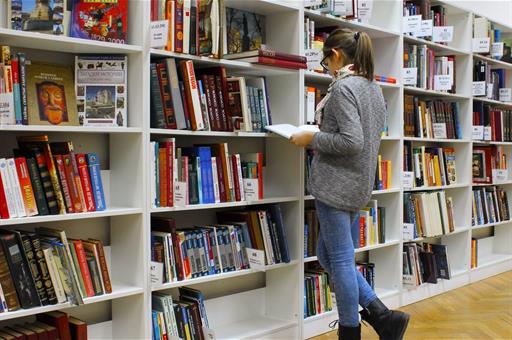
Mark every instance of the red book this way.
pixel 384 174
pixel 27 333
pixel 66 191
pixel 103 265
pixel 317 290
pixel 269 54
pixel 78 328
pixel 217 120
pixel 81 159
pixel 220 71
pixel 58 320
pixel 178 26
pixel 41 333
pixel 209 103
pixel 84 268
pixel 192 100
pixel 73 190
pixel 236 180
pixel 29 200
pixel 50 330
pixel 169 153
pixel 162 174
pixel 275 62
pixel 4 211
pixel 362 241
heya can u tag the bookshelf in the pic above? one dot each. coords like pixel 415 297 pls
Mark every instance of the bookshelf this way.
pixel 274 293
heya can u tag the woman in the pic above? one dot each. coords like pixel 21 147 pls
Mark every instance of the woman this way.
pixel 351 118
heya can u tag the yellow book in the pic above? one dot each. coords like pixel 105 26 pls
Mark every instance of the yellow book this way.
pixel 379 164
pixel 437 171
pixel 388 179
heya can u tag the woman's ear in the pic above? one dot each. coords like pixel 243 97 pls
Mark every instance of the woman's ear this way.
pixel 338 55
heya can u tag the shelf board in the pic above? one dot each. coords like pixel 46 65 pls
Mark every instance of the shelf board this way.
pixel 458 273
pixel 222 276
pixel 441 187
pixel 436 140
pixel 118 291
pixel 325 78
pixel 493 62
pixel 173 132
pixel 110 212
pixel 390 138
pixel 439 48
pixel 50 42
pixel 256 327
pixel 310 259
pixel 226 204
pixel 69 129
pixel 493 102
pixel 484 142
pixel 492 184
pixel 457 230
pixel 385 191
pixel 330 20
pixel 313 318
pixel 432 93
pixel 491 259
pixel 480 226
pixel 377 246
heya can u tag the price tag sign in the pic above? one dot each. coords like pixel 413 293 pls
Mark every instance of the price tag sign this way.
pixel 340 7
pixel 442 82
pixel 499 176
pixel 408 179
pixel 497 50
pixel 439 130
pixel 442 33
pixel 506 95
pixel 159 31
pixel 487 133
pixel 364 8
pixel 412 24
pixel 490 89
pixel 479 88
pixel 209 334
pixel 408 231
pixel 157 272
pixel 256 258
pixel 477 132
pixel 481 45
pixel 180 194
pixel 410 76
pixel 425 28
pixel 313 57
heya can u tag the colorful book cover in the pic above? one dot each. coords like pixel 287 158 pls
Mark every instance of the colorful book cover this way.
pixel 97 185
pixel 245 30
pixel 101 90
pixel 104 20
pixel 44 16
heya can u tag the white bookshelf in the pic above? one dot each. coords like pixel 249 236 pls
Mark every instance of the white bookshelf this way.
pixel 274 294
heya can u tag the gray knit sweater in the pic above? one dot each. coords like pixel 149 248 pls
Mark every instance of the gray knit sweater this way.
pixel 347 146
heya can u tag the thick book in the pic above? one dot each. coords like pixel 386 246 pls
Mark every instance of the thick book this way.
pixel 58 320
pixel 168 109
pixel 34 268
pixel 221 88
pixel 7 284
pixel 174 89
pixel 287 130
pixel 275 62
pixel 93 262
pixel 16 188
pixel 96 182
pixel 156 102
pixel 192 95
pixel 269 54
pixel 27 192
pixel 103 265
pixel 37 186
pixel 65 185
pixel 51 331
pixel 78 328
pixel 83 267
pixel 81 160
pixel 4 209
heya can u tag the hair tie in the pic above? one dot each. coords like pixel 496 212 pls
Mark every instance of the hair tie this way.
pixel 356 36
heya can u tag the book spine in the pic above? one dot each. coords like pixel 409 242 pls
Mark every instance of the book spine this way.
pixel 240 178
pixel 8 191
pixel 54 178
pixel 209 103
pixel 282 56
pixel 54 275
pixel 23 88
pixel 43 269
pixel 70 177
pixel 162 174
pixel 216 119
pixel 223 104
pixel 7 283
pixel 86 182
pixel 169 154
pixel 281 63
pixel 236 180
pixel 95 275
pixel 192 95
pixel 4 209
pixel 84 269
pixel 47 183
pixel 157 109
pixel 16 188
pixel 96 182
pixel 174 89
pixel 193 28
pixel 29 199
pixel 33 265
pixel 16 90
pixel 37 186
pixel 64 182
pixel 178 27
pixel 103 266
pixel 168 111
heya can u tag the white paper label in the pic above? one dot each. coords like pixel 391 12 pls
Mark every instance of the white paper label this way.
pixel 256 258
pixel 340 7
pixel 408 231
pixel 442 82
pixel 490 88
pixel 157 272
pixel 497 49
pixel 7 116
pixel 159 33
pixel 364 8
pixel 412 24
pixel 410 75
pixel 506 94
pixel 481 45
pixel 442 33
pixel 314 57
pixel 477 132
pixel 499 176
pixel 439 130
pixel 479 88
pixel 209 334
pixel 408 179
pixel 425 28
pixel 180 194
pixel 487 133
pixel 251 189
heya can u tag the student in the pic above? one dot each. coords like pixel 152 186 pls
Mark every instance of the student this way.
pixel 351 118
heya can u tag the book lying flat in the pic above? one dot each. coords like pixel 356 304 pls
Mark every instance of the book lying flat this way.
pixel 287 130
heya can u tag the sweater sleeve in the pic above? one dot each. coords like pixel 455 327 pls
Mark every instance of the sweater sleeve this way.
pixel 349 139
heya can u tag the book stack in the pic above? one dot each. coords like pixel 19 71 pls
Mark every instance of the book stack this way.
pixel 317 293
pixel 429 67
pixel 219 248
pixel 49 179
pixel 368 271
pixel 431 118
pixel 490 205
pixel 383 174
pixel 311 228
pixel 183 318
pixel 498 119
pixel 270 58
pixel 487 159
pixel 432 166
pixel 372 224
pixel 494 78
pixel 430 213
pixel 424 263
pixel 50 269
pixel 206 99
pixel 203 174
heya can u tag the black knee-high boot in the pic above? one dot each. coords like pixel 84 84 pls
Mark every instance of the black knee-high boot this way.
pixel 389 324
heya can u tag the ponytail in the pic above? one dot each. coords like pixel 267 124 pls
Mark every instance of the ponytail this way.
pixel 356 48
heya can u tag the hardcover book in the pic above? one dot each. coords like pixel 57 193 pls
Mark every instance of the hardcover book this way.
pixel 37 16
pixel 245 30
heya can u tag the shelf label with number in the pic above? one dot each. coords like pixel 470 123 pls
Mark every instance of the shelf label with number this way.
pixel 443 82
pixel 364 8
pixel 487 133
pixel 481 45
pixel 499 176
pixel 412 24
pixel 426 28
pixel 256 258
pixel 506 94
pixel 313 57
pixel 497 49
pixel 439 130
pixel 442 33
pixel 477 132
pixel 408 179
pixel 410 75
pixel 490 89
pixel 157 272
pixel 7 115
pixel 251 189
pixel 180 194
pixel 479 88
pixel 340 7
pixel 408 232
pixel 159 33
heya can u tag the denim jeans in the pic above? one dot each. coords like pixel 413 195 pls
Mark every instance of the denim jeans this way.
pixel 338 236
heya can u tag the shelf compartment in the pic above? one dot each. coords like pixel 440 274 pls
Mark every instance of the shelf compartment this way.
pixel 494 63
pixel 438 48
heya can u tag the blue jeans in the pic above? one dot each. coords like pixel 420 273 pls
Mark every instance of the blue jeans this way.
pixel 338 236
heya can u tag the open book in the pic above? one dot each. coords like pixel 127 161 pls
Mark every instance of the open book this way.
pixel 287 130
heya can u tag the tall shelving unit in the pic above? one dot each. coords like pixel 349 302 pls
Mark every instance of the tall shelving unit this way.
pixel 254 303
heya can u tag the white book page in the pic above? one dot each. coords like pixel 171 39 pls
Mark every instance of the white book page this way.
pixel 287 130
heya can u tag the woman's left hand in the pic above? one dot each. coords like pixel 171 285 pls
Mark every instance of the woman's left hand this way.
pixel 303 138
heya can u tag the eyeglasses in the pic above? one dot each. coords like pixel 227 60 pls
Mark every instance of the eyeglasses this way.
pixel 323 64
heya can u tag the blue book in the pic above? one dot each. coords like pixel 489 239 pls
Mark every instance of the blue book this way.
pixel 17 92
pixel 205 155
pixel 156 328
pixel 190 244
pixel 306 237
pixel 96 183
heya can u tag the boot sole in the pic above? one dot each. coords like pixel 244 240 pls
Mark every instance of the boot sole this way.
pixel 404 327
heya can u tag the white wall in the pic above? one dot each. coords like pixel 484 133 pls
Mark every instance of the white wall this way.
pixel 499 10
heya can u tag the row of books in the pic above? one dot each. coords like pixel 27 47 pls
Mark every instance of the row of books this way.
pixel 437 13
pixel 431 118
pixel 368 271
pixel 85 19
pixel 203 174
pixel 498 120
pixel 207 250
pixel 317 293
pixel 383 174
pixel 494 78
pixel 49 179
pixel 430 213
pixel 424 263
pixel 312 96
pixel 431 166
pixel 486 159
pixel 428 68
pixel 483 28
pixel 357 10
pixel 51 326
pixel 206 99
pixel 490 205
pixel 37 93
pixel 45 268
pixel 184 318
pixel 311 229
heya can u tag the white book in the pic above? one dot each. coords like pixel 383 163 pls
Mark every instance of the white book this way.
pixel 240 179
pixel 267 243
pixel 9 196
pixel 54 275
pixel 186 26
pixel 310 104
pixel 216 190
pixel 287 130
pixel 16 188
pixel 444 227
pixel 2 300
pixel 167 265
pixel 196 101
